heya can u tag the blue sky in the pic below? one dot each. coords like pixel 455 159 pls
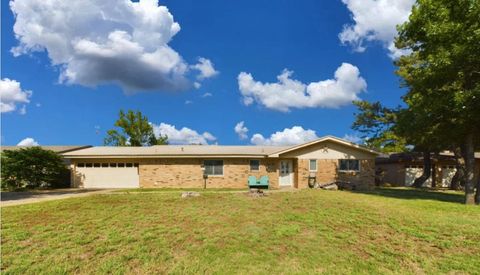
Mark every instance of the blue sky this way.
pixel 260 38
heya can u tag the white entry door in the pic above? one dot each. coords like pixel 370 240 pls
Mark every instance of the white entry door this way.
pixel 286 173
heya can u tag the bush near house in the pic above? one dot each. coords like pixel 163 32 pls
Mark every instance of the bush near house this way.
pixel 33 167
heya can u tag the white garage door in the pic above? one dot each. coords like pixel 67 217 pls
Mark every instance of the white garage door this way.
pixel 108 175
pixel 413 172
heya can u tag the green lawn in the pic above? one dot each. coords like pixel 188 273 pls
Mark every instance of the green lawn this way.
pixel 310 231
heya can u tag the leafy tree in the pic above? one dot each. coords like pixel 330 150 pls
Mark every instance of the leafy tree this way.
pixel 377 124
pixel 33 167
pixel 443 76
pixel 133 130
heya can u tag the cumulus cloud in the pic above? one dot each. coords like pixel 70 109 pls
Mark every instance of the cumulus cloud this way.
pixel 205 68
pixel 289 93
pixel 375 20
pixel 241 130
pixel 289 136
pixel 182 136
pixel 12 94
pixel 97 42
pixel 28 142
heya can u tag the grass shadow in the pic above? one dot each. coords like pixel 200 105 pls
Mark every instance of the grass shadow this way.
pixel 416 194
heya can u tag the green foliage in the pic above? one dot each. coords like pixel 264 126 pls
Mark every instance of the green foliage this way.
pixel 33 167
pixel 377 124
pixel 443 70
pixel 133 130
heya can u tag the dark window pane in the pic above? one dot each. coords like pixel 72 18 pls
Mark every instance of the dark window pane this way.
pixel 88 165
pixel 354 165
pixel 121 165
pixel 343 165
pixel 113 165
pixel 254 165
pixel 104 164
pixel 81 165
pixel 129 164
pixel 213 167
pixel 135 164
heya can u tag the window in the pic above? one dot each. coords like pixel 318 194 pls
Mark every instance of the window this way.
pixel 349 165
pixel 254 165
pixel 81 165
pixel 121 165
pixel 313 165
pixel 96 165
pixel 88 165
pixel 104 164
pixel 129 164
pixel 213 167
pixel 113 165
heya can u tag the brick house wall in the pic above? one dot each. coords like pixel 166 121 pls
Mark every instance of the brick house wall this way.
pixel 327 172
pixel 188 173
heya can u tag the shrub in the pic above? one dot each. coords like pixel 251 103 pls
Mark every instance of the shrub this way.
pixel 33 167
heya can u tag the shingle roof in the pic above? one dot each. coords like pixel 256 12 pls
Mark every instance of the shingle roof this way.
pixel 199 150
pixel 176 151
pixel 55 148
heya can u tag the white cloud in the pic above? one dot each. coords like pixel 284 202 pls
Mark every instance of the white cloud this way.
pixel 28 142
pixel 241 130
pixel 288 93
pixel 187 102
pixel 375 20
pixel 206 95
pixel 289 136
pixel 197 85
pixel 205 67
pixel 12 94
pixel 96 42
pixel 182 136
pixel 353 138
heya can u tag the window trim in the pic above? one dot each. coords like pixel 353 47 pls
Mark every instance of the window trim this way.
pixel 349 170
pixel 250 164
pixel 213 175
pixel 310 165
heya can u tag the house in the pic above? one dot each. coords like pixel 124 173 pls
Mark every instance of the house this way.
pixel 401 169
pixel 55 148
pixel 328 159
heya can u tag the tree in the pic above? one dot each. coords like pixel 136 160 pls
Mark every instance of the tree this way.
pixel 33 167
pixel 376 123
pixel 442 73
pixel 133 130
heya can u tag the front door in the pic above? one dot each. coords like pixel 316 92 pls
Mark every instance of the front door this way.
pixel 286 173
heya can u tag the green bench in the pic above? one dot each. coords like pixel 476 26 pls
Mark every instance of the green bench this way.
pixel 261 183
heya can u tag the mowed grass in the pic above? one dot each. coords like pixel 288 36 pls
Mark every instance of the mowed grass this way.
pixel 309 231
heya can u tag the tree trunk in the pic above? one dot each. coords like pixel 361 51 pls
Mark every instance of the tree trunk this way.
pixel 469 170
pixel 427 170
pixel 458 180
pixel 477 194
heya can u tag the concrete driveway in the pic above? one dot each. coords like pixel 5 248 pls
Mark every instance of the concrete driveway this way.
pixel 17 198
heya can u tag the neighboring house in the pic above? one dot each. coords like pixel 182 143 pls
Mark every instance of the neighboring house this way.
pixel 401 169
pixel 328 159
